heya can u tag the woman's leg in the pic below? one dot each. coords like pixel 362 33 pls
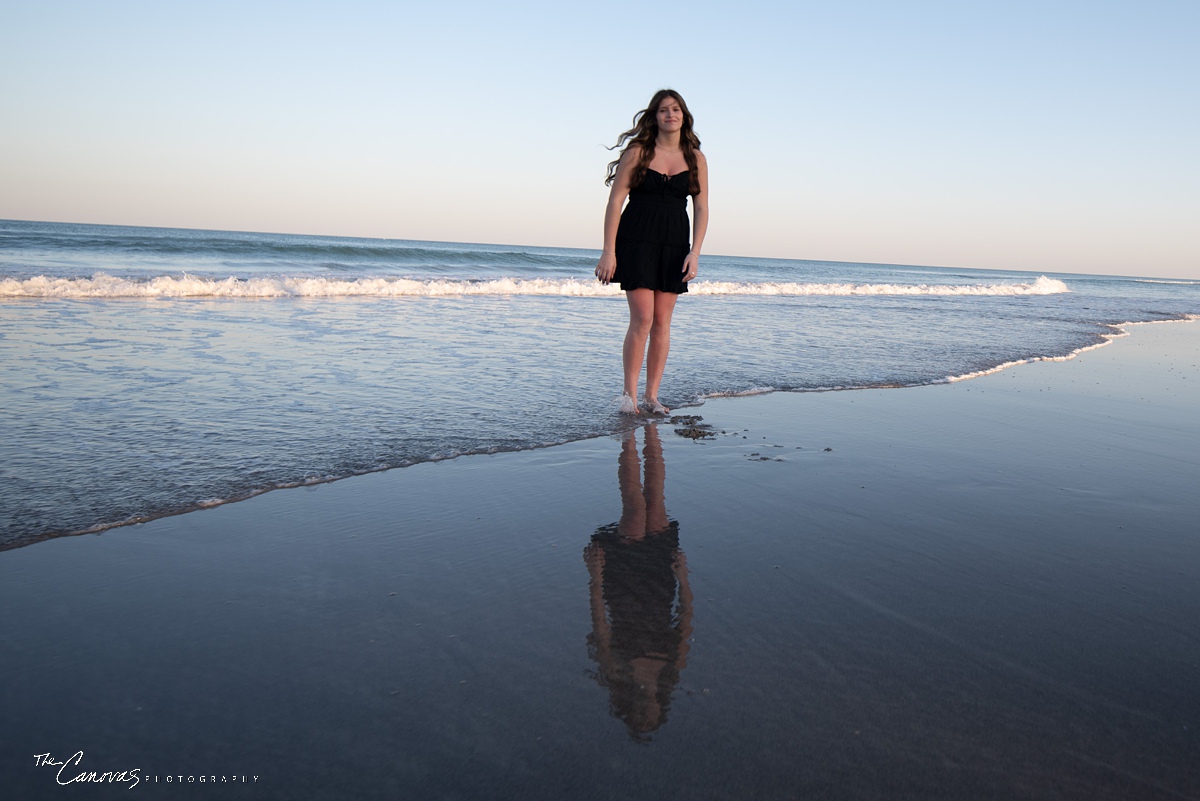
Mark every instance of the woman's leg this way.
pixel 641 320
pixel 660 342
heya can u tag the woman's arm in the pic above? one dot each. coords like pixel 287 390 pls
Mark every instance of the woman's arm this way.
pixel 699 219
pixel 684 610
pixel 601 638
pixel 612 213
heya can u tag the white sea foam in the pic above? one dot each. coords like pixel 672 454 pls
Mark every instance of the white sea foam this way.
pixel 102 285
pixel 1117 332
pixel 742 393
pixel 1042 286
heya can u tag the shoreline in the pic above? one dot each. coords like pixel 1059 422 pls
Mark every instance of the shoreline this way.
pixel 1119 331
pixel 922 594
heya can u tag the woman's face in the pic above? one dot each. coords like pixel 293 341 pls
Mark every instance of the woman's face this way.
pixel 670 114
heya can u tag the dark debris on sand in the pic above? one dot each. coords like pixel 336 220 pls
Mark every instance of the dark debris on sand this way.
pixel 691 427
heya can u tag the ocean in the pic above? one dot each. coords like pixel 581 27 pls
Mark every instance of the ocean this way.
pixel 148 371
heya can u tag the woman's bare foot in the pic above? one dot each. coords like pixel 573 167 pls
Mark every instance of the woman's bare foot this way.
pixel 629 405
pixel 654 407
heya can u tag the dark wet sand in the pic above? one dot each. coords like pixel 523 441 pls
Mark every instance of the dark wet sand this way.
pixel 985 590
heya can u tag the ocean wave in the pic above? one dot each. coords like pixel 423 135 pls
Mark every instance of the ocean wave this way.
pixel 102 285
pixel 1116 331
pixel 285 249
pixel 1042 286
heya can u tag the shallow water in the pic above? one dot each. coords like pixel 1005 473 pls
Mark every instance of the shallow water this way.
pixel 150 371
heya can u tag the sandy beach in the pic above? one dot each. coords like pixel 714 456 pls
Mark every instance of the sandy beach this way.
pixel 985 589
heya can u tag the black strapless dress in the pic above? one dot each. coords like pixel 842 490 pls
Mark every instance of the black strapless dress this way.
pixel 652 239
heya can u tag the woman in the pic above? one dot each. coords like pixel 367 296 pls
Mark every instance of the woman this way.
pixel 646 247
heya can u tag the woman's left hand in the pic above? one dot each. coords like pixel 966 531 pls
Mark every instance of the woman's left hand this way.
pixel 691 266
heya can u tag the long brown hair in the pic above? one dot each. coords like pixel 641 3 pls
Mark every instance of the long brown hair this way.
pixel 644 134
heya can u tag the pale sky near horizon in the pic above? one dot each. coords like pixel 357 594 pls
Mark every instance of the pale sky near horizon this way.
pixel 1049 136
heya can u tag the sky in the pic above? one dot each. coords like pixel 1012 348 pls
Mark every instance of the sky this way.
pixel 1052 136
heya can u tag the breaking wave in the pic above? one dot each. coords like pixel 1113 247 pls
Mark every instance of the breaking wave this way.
pixel 102 285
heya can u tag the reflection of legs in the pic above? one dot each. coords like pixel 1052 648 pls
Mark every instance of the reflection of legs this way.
pixel 641 319
pixel 629 478
pixel 660 342
pixel 643 506
pixel 656 478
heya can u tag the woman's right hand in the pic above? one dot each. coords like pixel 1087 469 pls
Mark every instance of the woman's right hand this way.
pixel 606 267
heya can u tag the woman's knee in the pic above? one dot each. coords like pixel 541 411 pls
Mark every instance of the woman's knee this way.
pixel 661 323
pixel 640 326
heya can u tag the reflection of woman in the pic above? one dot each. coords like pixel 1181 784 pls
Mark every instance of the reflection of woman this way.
pixel 646 247
pixel 640 598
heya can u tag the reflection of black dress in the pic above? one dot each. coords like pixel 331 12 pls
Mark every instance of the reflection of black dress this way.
pixel 639 592
pixel 640 597
pixel 652 239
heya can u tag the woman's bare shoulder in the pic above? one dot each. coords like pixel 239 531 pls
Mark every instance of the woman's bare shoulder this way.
pixel 700 159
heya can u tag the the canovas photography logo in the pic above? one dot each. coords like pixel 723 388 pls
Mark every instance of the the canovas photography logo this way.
pixel 72 771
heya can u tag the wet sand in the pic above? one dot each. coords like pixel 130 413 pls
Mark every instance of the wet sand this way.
pixel 987 589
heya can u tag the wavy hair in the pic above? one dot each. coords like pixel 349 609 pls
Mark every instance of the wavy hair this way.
pixel 644 134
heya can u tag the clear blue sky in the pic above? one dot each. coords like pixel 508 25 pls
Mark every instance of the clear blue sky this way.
pixel 1027 135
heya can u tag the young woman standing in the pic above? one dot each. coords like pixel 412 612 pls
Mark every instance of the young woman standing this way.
pixel 646 247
